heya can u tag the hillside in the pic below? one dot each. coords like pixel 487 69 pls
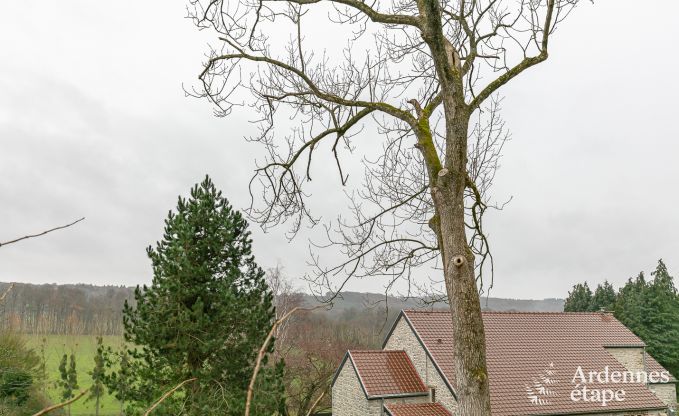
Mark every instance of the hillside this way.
pixel 88 309
pixel 358 301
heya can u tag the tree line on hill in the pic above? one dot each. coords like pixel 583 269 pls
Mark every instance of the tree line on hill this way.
pixel 81 309
pixel 63 309
pixel 648 307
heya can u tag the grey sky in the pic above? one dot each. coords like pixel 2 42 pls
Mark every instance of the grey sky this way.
pixel 94 122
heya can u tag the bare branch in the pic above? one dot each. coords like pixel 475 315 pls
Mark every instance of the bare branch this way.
pixel 315 404
pixel 63 404
pixel 168 394
pixel 523 65
pixel 262 353
pixel 4 295
pixel 241 54
pixel 42 233
pixel 374 15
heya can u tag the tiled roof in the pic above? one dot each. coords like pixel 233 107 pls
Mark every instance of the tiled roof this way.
pixel 522 348
pixel 653 365
pixel 386 373
pixel 417 409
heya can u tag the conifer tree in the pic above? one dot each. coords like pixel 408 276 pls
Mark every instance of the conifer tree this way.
pixel 69 378
pixel 123 381
pixel 98 377
pixel 42 368
pixel 205 315
pixel 118 377
pixel 629 303
pixel 579 299
pixel 651 310
pixel 604 297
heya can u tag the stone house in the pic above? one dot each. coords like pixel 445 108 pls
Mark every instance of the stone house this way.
pixel 538 364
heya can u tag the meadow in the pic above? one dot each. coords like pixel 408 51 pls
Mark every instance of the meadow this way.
pixel 84 347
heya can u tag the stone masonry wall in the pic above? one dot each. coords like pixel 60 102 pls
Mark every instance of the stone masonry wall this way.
pixel 666 392
pixel 632 358
pixel 348 398
pixel 403 338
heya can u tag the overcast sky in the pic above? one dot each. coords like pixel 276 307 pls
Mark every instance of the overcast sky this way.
pixel 94 123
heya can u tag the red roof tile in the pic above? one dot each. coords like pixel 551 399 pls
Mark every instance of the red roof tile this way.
pixel 417 409
pixel 653 365
pixel 524 348
pixel 384 373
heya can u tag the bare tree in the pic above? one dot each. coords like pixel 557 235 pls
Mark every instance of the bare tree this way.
pixel 286 298
pixel 424 75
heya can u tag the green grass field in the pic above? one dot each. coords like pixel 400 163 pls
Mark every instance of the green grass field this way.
pixel 84 347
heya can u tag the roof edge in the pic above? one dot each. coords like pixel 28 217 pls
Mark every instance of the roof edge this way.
pixel 398 395
pixel 604 411
pixel 339 369
pixel 426 349
pixel 393 327
pixel 348 356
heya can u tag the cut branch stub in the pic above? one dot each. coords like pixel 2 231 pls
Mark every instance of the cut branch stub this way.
pixel 458 261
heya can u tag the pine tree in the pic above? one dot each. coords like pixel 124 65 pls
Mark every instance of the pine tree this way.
pixel 604 297
pixel 98 377
pixel 118 376
pixel 579 299
pixel 629 302
pixel 650 309
pixel 661 318
pixel 42 369
pixel 205 315
pixel 68 378
pixel 124 381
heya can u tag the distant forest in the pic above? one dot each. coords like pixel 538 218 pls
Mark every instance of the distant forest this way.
pixel 86 309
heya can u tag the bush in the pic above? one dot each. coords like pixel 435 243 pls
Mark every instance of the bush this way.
pixel 15 385
pixel 19 364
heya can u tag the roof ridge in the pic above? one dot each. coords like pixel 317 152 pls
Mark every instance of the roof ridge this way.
pixel 547 313
pixel 374 351
pixel 514 312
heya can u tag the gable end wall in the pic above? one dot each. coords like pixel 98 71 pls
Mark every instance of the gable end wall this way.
pixel 403 338
pixel 348 398
pixel 632 358
pixel 666 392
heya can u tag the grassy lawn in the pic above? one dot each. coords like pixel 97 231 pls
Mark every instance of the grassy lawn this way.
pixel 84 347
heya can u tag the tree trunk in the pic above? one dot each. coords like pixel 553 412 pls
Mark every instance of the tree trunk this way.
pixel 468 332
pixel 458 264
pixel 448 181
pixel 96 406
